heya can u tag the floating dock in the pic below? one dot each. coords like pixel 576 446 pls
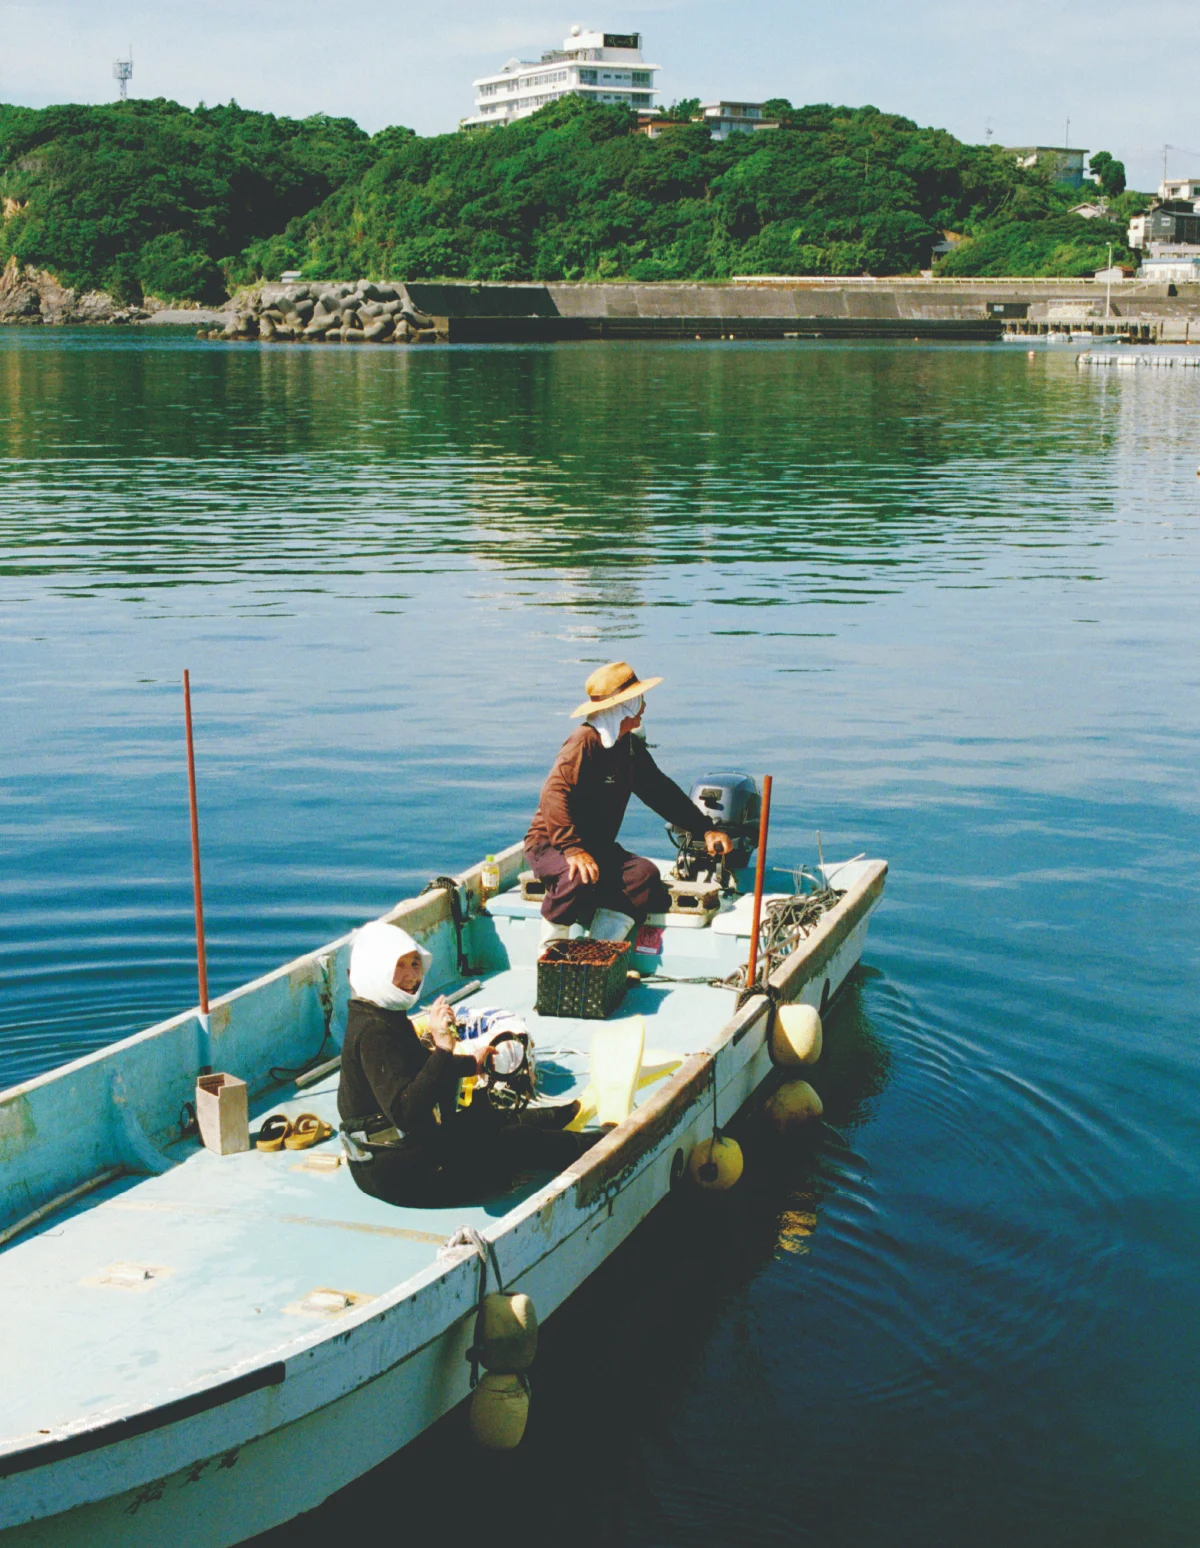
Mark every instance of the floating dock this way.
pixel 1125 357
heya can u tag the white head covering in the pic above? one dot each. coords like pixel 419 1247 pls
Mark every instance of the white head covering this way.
pixel 376 950
pixel 608 722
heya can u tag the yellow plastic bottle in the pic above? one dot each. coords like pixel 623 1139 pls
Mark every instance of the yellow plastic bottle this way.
pixel 489 878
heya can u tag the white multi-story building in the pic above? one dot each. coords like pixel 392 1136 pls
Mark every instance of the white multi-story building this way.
pixel 603 66
pixel 1180 188
pixel 726 118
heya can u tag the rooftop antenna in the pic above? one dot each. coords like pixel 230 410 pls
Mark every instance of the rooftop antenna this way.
pixel 123 73
pixel 1166 148
pixel 1067 140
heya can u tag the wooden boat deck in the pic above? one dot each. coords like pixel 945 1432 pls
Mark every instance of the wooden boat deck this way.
pixel 235 1245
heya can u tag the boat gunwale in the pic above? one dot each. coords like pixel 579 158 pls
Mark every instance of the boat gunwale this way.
pixel 833 929
pixel 435 902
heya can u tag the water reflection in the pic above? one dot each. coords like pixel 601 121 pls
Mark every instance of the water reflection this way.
pixel 946 597
pixel 827 467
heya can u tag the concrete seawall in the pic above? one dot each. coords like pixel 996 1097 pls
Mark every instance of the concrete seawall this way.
pixel 972 309
pixel 392 312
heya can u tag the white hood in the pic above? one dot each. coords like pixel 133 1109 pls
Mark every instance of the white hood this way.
pixel 373 956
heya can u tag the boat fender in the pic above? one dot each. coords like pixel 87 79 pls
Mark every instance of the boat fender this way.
pixel 794 1104
pixel 796 1037
pixel 499 1411
pixel 508 1333
pixel 716 1164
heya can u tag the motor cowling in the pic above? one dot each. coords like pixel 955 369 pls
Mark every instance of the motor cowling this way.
pixel 733 805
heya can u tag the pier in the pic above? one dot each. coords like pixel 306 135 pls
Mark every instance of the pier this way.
pixel 458 311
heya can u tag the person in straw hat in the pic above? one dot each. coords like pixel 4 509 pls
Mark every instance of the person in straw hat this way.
pixel 572 842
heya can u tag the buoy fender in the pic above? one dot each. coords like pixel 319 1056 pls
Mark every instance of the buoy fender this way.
pixel 795 1103
pixel 509 1335
pixel 716 1164
pixel 499 1411
pixel 796 1037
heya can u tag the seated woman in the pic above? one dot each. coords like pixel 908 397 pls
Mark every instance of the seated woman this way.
pixel 440 1154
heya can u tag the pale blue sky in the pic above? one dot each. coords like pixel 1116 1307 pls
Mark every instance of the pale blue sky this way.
pixel 1126 76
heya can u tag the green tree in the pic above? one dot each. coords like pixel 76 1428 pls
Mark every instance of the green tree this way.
pixel 1110 172
pixel 683 111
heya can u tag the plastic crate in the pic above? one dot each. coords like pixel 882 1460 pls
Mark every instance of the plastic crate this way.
pixel 582 978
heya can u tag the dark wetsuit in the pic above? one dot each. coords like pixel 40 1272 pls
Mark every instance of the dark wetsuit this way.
pixel 582 806
pixel 389 1077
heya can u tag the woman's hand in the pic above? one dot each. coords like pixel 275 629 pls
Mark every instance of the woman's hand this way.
pixel 442 1025
pixel 717 843
pixel 581 867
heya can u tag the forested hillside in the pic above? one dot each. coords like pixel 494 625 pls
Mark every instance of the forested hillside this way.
pixel 571 193
pixel 153 197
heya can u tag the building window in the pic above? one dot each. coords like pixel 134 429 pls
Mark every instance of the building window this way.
pixel 641 77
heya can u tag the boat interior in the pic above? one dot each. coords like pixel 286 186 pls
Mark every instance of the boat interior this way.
pixel 153 1284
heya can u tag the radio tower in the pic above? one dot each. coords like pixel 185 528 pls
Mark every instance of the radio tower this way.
pixel 123 73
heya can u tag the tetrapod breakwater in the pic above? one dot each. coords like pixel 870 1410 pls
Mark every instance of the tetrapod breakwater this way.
pixel 359 312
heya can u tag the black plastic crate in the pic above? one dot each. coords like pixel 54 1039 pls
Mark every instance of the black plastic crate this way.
pixel 582 978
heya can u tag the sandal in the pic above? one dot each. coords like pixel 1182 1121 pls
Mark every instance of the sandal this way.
pixel 307 1130
pixel 272 1132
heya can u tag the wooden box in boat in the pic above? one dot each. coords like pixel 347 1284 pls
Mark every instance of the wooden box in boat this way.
pixel 202 1346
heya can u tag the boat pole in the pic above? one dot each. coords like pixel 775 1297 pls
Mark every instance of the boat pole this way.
pixel 201 957
pixel 760 872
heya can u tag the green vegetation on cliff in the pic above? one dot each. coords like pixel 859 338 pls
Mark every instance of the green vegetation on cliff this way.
pixel 573 193
pixel 152 197
pixel 1034 232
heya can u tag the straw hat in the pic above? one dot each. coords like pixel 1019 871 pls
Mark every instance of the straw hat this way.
pixel 613 684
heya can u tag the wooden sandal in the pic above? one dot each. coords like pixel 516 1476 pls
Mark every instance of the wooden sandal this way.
pixel 307 1130
pixel 272 1133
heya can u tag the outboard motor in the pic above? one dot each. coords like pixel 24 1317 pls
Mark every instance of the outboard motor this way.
pixel 733 804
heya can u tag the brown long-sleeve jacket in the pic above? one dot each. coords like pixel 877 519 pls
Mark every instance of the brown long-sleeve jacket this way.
pixel 586 792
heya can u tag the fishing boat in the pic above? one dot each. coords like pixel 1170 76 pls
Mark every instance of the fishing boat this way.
pixel 202 1346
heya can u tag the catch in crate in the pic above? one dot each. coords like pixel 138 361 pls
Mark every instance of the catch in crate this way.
pixel 581 978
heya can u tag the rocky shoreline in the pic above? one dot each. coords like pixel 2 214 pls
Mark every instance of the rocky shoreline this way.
pixel 348 313
pixel 29 295
pixel 360 313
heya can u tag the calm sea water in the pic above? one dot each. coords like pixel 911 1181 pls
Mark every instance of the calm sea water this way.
pixel 948 597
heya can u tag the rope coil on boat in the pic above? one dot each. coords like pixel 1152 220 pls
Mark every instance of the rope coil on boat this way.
pixel 786 922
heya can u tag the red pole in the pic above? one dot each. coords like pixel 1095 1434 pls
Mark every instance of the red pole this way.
pixel 201 962
pixel 759 875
